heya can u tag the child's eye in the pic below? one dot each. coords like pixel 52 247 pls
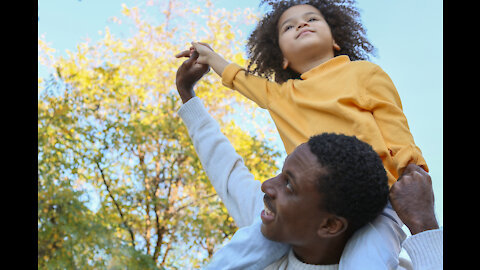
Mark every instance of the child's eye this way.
pixel 287 28
pixel 312 19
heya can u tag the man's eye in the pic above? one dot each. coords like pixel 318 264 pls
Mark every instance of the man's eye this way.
pixel 287 184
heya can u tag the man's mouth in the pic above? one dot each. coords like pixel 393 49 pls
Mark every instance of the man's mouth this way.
pixel 268 209
pixel 268 212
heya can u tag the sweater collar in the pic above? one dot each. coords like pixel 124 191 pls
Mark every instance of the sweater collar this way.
pixel 334 62
pixel 294 263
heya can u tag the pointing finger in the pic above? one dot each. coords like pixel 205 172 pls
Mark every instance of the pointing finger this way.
pixel 183 54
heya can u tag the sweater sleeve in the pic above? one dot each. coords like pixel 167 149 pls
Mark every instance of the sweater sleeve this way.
pixel 255 88
pixel 382 99
pixel 425 249
pixel 232 181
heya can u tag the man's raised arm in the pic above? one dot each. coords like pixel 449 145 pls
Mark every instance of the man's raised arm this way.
pixel 235 185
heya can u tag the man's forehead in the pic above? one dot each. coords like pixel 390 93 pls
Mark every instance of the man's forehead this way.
pixel 304 169
pixel 302 159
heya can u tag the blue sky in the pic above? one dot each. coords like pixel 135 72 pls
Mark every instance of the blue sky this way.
pixel 408 35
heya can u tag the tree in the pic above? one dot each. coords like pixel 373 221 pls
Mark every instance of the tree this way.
pixel 107 120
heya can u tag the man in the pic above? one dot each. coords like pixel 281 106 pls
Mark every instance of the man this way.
pixel 315 205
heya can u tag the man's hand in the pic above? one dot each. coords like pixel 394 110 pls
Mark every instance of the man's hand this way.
pixel 412 198
pixel 188 74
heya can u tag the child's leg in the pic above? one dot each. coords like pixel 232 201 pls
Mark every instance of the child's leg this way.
pixel 248 249
pixel 376 245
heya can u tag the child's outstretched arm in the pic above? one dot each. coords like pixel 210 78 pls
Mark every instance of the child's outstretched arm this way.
pixel 255 88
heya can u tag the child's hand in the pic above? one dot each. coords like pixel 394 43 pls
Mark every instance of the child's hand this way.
pixel 206 56
pixel 205 51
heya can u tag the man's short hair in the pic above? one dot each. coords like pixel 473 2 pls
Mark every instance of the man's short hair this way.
pixel 355 185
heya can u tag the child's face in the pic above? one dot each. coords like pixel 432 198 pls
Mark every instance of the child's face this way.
pixel 303 35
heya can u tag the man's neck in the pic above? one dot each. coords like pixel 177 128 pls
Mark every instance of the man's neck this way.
pixel 322 253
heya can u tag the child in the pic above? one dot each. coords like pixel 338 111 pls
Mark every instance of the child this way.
pixel 315 52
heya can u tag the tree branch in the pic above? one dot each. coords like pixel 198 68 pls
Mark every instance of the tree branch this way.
pixel 169 246
pixel 195 202
pixel 141 159
pixel 160 230
pixel 132 236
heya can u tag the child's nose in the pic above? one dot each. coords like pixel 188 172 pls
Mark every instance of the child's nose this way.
pixel 302 24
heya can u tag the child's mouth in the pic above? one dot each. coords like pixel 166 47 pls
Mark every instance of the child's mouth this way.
pixel 304 32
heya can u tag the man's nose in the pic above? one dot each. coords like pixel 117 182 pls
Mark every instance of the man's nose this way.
pixel 269 187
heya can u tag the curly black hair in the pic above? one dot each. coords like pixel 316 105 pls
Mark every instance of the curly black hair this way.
pixel 355 185
pixel 343 18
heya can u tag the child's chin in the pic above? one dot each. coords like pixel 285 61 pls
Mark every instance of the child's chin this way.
pixel 309 44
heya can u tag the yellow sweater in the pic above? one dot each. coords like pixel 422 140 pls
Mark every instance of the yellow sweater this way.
pixel 340 96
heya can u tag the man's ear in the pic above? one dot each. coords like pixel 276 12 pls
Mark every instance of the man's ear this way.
pixel 285 63
pixel 332 226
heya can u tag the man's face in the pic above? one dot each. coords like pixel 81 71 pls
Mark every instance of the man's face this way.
pixel 292 201
pixel 302 33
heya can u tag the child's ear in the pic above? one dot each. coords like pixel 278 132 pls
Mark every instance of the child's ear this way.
pixel 285 63
pixel 336 47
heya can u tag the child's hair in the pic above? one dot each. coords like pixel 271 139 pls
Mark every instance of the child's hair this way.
pixel 342 17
